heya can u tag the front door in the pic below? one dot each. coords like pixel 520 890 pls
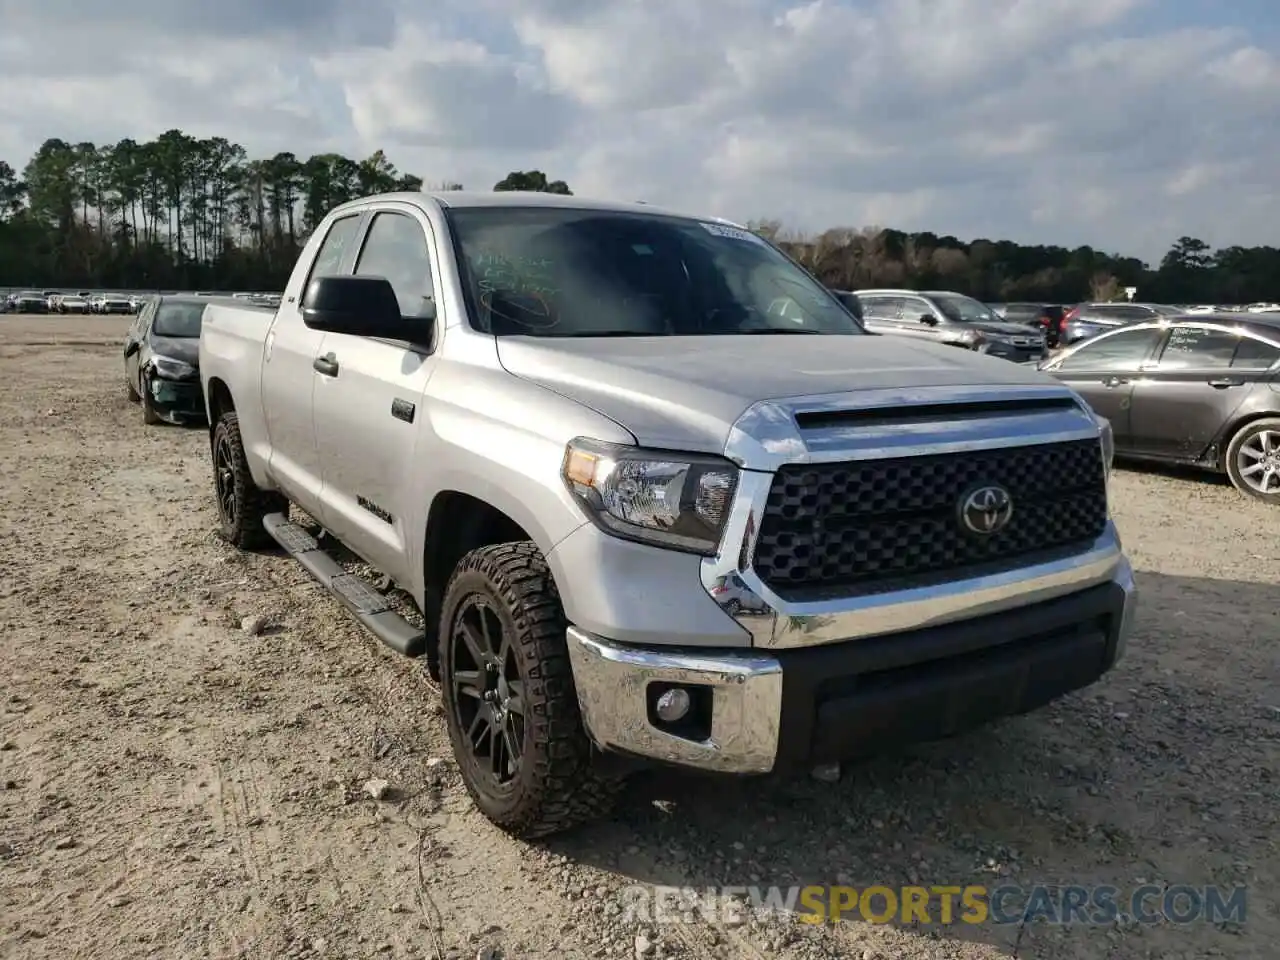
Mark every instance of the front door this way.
pixel 1103 371
pixel 289 377
pixel 369 411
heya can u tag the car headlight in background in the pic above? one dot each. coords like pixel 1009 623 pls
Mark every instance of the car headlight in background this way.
pixel 172 369
pixel 676 500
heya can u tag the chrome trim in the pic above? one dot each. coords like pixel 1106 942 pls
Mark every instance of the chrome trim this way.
pixel 1124 577
pixel 612 681
pixel 767 434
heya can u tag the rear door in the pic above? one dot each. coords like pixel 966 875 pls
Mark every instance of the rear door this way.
pixel 1182 401
pixel 1103 371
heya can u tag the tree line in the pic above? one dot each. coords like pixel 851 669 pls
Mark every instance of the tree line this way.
pixel 200 213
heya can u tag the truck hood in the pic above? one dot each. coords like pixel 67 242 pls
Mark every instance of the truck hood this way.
pixel 686 393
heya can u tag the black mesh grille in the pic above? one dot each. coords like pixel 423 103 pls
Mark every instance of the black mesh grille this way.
pixel 876 525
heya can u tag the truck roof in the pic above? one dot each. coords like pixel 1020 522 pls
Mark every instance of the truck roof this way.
pixel 462 199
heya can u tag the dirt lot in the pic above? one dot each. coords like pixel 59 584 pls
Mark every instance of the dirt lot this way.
pixel 175 787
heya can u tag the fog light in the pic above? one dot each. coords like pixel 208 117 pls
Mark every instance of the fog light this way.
pixel 673 705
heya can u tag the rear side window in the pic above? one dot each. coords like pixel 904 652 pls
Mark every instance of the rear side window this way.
pixel 880 308
pixel 1254 354
pixel 342 233
pixel 1126 350
pixel 1198 348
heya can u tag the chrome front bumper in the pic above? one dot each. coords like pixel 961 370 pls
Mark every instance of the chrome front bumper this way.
pixel 757 704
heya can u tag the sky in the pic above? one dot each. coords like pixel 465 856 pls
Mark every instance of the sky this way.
pixel 1122 124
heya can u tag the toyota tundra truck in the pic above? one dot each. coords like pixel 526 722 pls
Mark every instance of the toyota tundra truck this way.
pixel 657 495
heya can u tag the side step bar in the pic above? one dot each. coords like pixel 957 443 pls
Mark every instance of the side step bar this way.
pixel 363 602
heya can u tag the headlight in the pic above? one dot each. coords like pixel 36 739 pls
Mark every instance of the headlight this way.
pixel 172 369
pixel 675 500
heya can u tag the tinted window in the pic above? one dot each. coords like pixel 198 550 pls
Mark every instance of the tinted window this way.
pixel 912 309
pixel 1021 310
pixel 341 235
pixel 396 248
pixel 178 320
pixel 1123 351
pixel 960 309
pixel 1255 355
pixel 880 308
pixel 1199 348
pixel 555 272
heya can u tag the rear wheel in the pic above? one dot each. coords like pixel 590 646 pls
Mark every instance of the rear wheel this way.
pixel 509 696
pixel 241 503
pixel 1253 460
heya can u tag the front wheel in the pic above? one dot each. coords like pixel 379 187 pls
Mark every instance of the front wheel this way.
pixel 1253 460
pixel 241 503
pixel 509 696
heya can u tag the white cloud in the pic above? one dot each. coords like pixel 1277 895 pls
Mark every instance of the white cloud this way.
pixel 1072 121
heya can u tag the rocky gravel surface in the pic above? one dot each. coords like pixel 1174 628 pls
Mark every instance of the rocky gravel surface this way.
pixel 200 756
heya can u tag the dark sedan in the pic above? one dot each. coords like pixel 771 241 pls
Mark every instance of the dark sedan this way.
pixel 1201 390
pixel 161 360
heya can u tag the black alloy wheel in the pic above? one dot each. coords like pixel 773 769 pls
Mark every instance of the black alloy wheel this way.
pixel 224 479
pixel 488 691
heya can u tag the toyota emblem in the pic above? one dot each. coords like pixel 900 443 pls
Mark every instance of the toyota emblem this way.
pixel 986 510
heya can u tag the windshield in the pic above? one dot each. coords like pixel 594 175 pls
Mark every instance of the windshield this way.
pixel 961 309
pixel 555 272
pixel 178 320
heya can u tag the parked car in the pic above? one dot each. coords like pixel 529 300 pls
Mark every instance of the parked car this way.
pixel 559 424
pixel 31 301
pixel 1044 317
pixel 162 360
pixel 1202 390
pixel 950 318
pixel 1088 319
pixel 117 304
pixel 72 304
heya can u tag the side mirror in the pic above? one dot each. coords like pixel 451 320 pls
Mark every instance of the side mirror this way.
pixel 929 318
pixel 131 347
pixel 364 307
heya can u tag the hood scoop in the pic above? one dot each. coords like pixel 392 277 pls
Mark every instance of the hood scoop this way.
pixel 929 413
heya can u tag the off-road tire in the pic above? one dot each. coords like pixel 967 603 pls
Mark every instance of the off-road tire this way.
pixel 557 786
pixel 1233 455
pixel 131 391
pixel 244 529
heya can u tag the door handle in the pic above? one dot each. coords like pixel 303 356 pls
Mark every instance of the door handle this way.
pixel 1114 381
pixel 326 365
pixel 1223 382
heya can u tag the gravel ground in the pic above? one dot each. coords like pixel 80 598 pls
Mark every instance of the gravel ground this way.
pixel 174 786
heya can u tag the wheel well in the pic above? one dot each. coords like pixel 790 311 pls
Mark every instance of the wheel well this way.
pixel 1235 427
pixel 219 401
pixel 457 524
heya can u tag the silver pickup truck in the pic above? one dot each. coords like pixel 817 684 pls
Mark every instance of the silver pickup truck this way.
pixel 646 515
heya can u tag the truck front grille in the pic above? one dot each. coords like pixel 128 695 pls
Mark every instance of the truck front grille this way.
pixel 877 525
